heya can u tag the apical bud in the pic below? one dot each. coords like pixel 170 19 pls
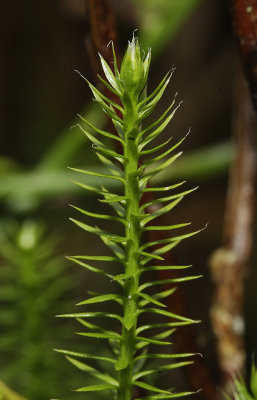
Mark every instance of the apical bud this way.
pixel 132 72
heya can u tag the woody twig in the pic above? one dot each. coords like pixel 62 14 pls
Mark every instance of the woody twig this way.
pixel 229 263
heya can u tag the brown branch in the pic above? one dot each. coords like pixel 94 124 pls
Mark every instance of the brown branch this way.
pixel 102 25
pixel 103 31
pixel 228 264
pixel 244 17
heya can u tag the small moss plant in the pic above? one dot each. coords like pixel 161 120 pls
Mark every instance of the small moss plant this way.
pixel 133 341
pixel 33 285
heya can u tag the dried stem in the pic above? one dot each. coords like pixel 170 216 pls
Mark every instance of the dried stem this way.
pixel 244 18
pixel 103 31
pixel 228 264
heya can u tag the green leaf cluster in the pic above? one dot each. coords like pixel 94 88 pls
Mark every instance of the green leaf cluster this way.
pixel 32 285
pixel 240 389
pixel 133 342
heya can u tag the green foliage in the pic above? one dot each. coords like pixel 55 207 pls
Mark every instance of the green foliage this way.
pixel 165 16
pixel 133 358
pixel 22 190
pixel 241 391
pixel 8 394
pixel 32 283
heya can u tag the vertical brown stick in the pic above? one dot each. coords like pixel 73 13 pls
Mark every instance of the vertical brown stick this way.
pixel 228 264
pixel 244 18
pixel 103 31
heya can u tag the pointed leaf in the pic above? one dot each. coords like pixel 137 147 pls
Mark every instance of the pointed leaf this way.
pixel 159 295
pixel 148 108
pixel 147 63
pixel 95 388
pixel 167 240
pixel 154 149
pixel 158 131
pixel 146 386
pixel 121 363
pixel 161 211
pixel 92 371
pixel 83 171
pixel 96 314
pixel 90 326
pixel 150 255
pixel 109 75
pixel 92 138
pixel 99 299
pixel 166 314
pixel 117 73
pixel 130 313
pixel 111 153
pixel 163 356
pixel 162 325
pixel 152 126
pixel 154 171
pixel 119 128
pixel 90 267
pixel 93 189
pixel 99 232
pixel 165 281
pixel 165 228
pixel 162 189
pixel 113 168
pixel 167 198
pixel 100 216
pixel 114 199
pixel 151 299
pixel 104 101
pixel 96 258
pixel 164 82
pixel 85 355
pixel 253 380
pixel 152 341
pixel 166 397
pixel 117 250
pixel 101 132
pixel 167 367
pixel 164 334
pixel 164 268
pixel 108 85
pixel 100 335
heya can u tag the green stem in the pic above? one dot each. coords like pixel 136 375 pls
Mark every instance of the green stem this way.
pixel 133 233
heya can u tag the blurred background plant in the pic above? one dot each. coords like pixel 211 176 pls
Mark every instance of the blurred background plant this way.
pixel 33 287
pixel 42 43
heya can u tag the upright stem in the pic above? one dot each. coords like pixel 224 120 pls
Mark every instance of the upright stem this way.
pixel 229 263
pixel 133 234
